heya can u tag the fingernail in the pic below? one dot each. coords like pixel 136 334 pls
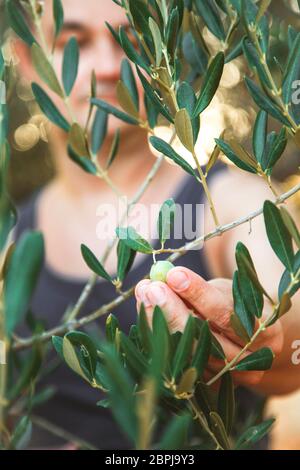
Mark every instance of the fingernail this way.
pixel 140 291
pixel 179 280
pixel 156 295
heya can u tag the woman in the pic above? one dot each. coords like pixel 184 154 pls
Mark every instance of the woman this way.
pixel 66 212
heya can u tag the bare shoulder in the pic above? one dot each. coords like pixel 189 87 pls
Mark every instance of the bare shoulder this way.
pixel 236 193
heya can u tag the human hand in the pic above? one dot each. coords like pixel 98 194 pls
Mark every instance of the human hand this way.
pixel 186 293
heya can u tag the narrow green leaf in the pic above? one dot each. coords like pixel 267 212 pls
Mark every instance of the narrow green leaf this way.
pixel 184 348
pixel 129 80
pixel 70 65
pixel 265 103
pixel 292 70
pixel 125 259
pixel 175 435
pixel 278 235
pixel 166 219
pixel 99 130
pixel 184 129
pixel 18 24
pixel 144 331
pixel 133 357
pixel 71 358
pixel 238 328
pixel 58 14
pixel 286 280
pixel 77 140
pixel 285 305
pixel 161 107
pixel 22 434
pixel 111 326
pixel 93 263
pixel 263 7
pixel 161 346
pixel 133 240
pixel 116 112
pixel 187 382
pixel 275 151
pixel 252 295
pixel 166 149
pixel 157 39
pixel 45 69
pixel 130 51
pixel 49 108
pixel 210 15
pixel 259 360
pixel 85 163
pixel 210 84
pixel 172 31
pixel 119 384
pixel 254 434
pixel 203 349
pixel 226 402
pixel 126 101
pixel 254 61
pixel 88 351
pixel 218 428
pixel 229 153
pixel 290 225
pixel 21 278
pixel 240 307
pixel 114 149
pixel 260 135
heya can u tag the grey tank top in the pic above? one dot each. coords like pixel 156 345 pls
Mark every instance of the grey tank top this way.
pixel 73 406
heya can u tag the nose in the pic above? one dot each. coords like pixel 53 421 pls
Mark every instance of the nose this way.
pixel 107 55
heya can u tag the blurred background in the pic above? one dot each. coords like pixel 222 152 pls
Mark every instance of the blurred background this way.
pixel 31 162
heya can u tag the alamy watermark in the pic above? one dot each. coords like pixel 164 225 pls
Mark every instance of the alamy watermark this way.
pixel 2 93
pixel 296 94
pixel 187 221
pixel 296 353
pixel 2 353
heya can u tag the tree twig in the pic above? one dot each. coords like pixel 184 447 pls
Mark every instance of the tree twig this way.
pixel 61 329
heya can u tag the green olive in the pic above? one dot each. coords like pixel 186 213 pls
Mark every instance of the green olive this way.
pixel 160 270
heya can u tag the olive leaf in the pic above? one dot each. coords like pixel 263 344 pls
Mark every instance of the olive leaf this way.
pixel 133 240
pixel 93 263
pixel 184 129
pixel 259 360
pixel 278 235
pixel 99 130
pixel 70 65
pixel 166 149
pixel 166 220
pixel 126 101
pixel 157 39
pixel 49 108
pixel 18 24
pixel 58 15
pixel 265 103
pixel 45 69
pixel 210 84
pixel 260 135
pixel 19 283
pixel 116 112
pixel 129 80
pixel 78 140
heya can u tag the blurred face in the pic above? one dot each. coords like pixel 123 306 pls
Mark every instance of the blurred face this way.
pixel 85 19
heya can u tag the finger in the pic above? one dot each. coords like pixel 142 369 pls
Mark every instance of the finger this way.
pixel 158 293
pixel 213 301
pixel 208 300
